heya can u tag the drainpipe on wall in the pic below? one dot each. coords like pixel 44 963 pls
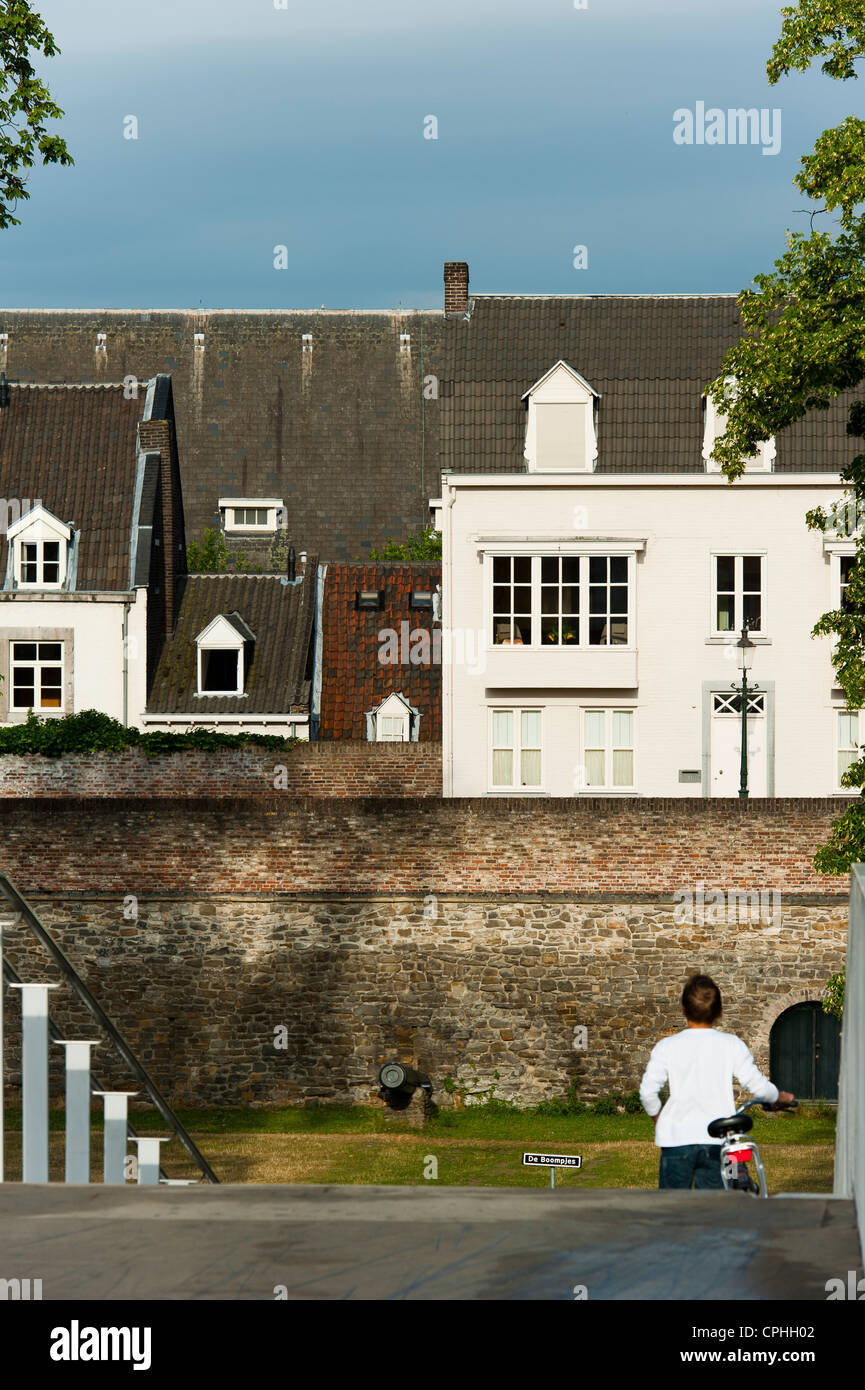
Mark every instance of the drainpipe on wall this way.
pixel 448 497
pixel 126 607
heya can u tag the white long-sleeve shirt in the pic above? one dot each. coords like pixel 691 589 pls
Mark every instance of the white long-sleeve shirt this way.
pixel 699 1064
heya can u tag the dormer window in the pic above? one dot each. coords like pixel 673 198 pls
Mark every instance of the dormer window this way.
pixel 40 545
pixel 224 656
pixel 561 429
pixel 394 721
pixel 715 425
pixel 250 514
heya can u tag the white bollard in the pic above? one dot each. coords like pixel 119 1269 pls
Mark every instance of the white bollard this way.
pixel 114 1147
pixel 148 1158
pixel 34 1068
pixel 78 1110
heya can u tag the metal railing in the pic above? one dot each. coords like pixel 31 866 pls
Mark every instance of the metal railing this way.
pixel 71 977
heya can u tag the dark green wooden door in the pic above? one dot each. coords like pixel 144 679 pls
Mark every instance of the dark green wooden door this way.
pixel 805 1052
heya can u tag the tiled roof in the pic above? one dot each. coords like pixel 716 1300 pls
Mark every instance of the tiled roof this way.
pixel 74 448
pixel 650 359
pixel 353 679
pixel 281 616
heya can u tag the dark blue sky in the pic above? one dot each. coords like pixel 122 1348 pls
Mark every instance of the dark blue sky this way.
pixel 304 127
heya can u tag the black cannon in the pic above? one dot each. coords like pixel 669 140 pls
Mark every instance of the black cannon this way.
pixel 398 1084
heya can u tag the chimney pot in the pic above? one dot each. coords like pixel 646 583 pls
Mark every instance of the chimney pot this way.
pixel 456 287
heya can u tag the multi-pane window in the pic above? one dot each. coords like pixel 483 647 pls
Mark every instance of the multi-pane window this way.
pixel 516 748
pixel 608 747
pixel 40 563
pixel 512 600
pixel 738 593
pixel 846 564
pixel 848 740
pixel 561 600
pixel 250 516
pixel 392 728
pixel 37 675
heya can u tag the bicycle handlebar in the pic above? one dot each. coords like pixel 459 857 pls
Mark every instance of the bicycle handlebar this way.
pixel 770 1105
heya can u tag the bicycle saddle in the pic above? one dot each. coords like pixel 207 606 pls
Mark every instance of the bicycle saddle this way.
pixel 732 1124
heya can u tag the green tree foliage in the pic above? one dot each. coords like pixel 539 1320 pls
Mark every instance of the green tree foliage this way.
pixel 25 105
pixel 213 555
pixel 426 546
pixel 804 344
pixel 833 1000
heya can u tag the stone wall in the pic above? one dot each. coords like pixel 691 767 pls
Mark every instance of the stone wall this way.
pixel 307 769
pixel 369 929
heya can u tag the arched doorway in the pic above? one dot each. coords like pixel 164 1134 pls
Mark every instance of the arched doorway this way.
pixel 805 1052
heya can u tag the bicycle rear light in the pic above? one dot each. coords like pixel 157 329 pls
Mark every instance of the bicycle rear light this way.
pixel 740 1155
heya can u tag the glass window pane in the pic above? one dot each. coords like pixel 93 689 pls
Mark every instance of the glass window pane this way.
pixel 523 599
pixel 550 631
pixel 51 550
pixel 619 599
pixel 530 768
pixel 598 569
pixel 570 631
pixel 623 767
pixel 751 565
pixel 618 569
pixel 570 599
pixel 726 573
pixel 501 569
pixel 623 728
pixel 594 768
pixel 595 728
pixel 598 599
pixel 549 570
pixel 522 631
pixel 597 632
pixel 50 574
pixel 844 761
pixel 501 599
pixel 530 728
pixel 751 611
pixel 522 569
pixel 503 726
pixel 550 599
pixel 848 730
pixel 23 651
pixel 23 696
pixel 502 767
pixel 571 570
pixel 503 632
pixel 49 651
pixel 726 613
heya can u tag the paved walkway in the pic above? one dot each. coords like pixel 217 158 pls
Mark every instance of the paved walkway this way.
pixel 241 1242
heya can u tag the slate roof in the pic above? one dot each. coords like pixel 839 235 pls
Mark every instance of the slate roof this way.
pixel 280 615
pixel 650 358
pixel 353 680
pixel 74 448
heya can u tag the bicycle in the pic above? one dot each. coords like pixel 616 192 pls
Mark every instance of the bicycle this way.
pixel 737 1150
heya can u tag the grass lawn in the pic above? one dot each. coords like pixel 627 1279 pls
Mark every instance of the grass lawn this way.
pixel 473 1147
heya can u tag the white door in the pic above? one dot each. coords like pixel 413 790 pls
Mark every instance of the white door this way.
pixel 727 744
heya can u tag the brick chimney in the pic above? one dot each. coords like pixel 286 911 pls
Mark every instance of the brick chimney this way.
pixel 456 287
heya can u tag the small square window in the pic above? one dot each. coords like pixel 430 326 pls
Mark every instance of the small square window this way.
pixel 219 671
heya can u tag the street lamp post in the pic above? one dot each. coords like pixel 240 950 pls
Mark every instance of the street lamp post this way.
pixel 746 650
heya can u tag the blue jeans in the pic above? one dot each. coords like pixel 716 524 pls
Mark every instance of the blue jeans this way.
pixel 691 1165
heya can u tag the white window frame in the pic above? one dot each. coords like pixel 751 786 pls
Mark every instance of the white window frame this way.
pixel 837 748
pixel 715 424
pixel 738 556
pixel 608 710
pixel 203 647
pixel 393 706
pixel 229 506
pixel 36 665
pixel 608 550
pixel 516 712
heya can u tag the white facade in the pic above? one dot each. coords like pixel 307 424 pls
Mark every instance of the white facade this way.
pixel 82 651
pixel 590 629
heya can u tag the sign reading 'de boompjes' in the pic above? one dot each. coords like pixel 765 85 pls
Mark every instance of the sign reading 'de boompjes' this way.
pixel 552 1161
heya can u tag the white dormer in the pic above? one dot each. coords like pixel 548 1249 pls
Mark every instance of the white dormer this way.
pixel 715 424
pixel 251 514
pixel 224 655
pixel 40 550
pixel 394 721
pixel 561 435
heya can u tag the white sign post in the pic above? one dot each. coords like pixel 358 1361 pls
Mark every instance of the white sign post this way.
pixel 552 1161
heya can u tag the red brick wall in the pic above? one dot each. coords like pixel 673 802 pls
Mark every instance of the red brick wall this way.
pixel 289 843
pixel 311 769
